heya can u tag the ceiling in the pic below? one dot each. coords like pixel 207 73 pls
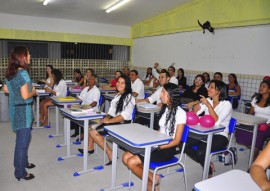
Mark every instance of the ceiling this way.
pixel 91 10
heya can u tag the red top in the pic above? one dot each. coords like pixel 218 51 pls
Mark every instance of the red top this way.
pixel 113 82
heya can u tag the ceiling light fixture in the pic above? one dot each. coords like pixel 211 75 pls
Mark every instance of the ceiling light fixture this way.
pixel 45 2
pixel 116 5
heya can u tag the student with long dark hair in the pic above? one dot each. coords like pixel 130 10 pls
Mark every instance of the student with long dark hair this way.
pixel 172 120
pixel 21 92
pixel 218 106
pixel 120 111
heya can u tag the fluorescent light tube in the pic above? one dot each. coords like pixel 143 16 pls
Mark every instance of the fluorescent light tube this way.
pixel 45 2
pixel 117 5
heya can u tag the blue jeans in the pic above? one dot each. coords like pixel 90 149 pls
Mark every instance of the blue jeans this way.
pixel 23 137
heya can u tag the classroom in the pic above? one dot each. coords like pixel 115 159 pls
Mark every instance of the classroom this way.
pixel 137 36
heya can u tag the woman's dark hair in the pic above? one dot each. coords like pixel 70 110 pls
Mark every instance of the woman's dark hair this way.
pixel 182 71
pixel 17 61
pixel 174 101
pixel 259 97
pixel 207 76
pixel 198 76
pixel 148 75
pixel 78 71
pixel 218 73
pixel 50 66
pixel 91 70
pixel 125 96
pixel 121 73
pixel 57 76
pixel 222 88
pixel 235 78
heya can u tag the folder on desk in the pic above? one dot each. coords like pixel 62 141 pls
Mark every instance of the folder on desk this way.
pixel 68 98
pixel 147 105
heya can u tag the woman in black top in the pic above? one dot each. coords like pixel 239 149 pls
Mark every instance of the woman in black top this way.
pixel 197 89
pixel 182 80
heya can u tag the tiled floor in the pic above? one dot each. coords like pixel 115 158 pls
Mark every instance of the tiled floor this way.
pixel 52 174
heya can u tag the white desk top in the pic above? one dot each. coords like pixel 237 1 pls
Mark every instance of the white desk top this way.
pixel 247 119
pixel 137 135
pixel 234 180
pixel 82 116
pixel 204 131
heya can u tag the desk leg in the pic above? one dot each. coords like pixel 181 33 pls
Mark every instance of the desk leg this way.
pixel 254 137
pixel 114 164
pixel 152 115
pixel 37 114
pixel 67 131
pixel 85 145
pixel 207 156
pixel 57 134
pixel 147 154
pixel 107 105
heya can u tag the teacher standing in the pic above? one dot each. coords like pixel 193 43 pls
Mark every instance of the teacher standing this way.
pixel 21 92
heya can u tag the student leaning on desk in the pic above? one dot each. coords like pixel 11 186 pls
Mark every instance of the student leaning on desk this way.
pixel 258 168
pixel 171 121
pixel 120 111
pixel 218 106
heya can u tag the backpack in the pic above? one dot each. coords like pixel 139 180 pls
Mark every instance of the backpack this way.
pixel 226 158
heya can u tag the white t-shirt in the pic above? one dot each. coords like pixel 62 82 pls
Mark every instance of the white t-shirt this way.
pixel 48 81
pixel 127 111
pixel 180 118
pixel 261 111
pixel 155 97
pixel 90 96
pixel 60 89
pixel 155 73
pixel 223 111
pixel 138 87
pixel 174 80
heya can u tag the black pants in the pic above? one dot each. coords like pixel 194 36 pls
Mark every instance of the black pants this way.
pixel 218 142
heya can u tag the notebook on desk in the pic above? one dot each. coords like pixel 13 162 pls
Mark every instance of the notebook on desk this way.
pixel 68 98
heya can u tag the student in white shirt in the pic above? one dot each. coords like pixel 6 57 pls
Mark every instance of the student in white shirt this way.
pixel 49 78
pixel 120 111
pixel 173 79
pixel 59 90
pixel 218 106
pixel 171 122
pixel 136 85
pixel 90 96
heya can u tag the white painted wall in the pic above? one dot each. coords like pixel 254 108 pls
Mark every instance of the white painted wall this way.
pixel 21 22
pixel 244 50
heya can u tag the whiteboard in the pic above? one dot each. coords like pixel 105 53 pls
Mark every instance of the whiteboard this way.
pixel 242 50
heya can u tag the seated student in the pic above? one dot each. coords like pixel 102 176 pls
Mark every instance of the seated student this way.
pixel 258 168
pixel 164 78
pixel 49 78
pixel 173 79
pixel 220 109
pixel 89 72
pixel 126 71
pixel 90 97
pixel 207 79
pixel 171 122
pixel 78 77
pixel 59 89
pixel 146 78
pixel 260 106
pixel 136 85
pixel 182 80
pixel 112 85
pixel 120 111
pixel 196 90
pixel 218 76
pixel 234 90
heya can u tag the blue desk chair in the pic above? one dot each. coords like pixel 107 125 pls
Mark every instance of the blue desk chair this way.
pixel 232 126
pixel 155 166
